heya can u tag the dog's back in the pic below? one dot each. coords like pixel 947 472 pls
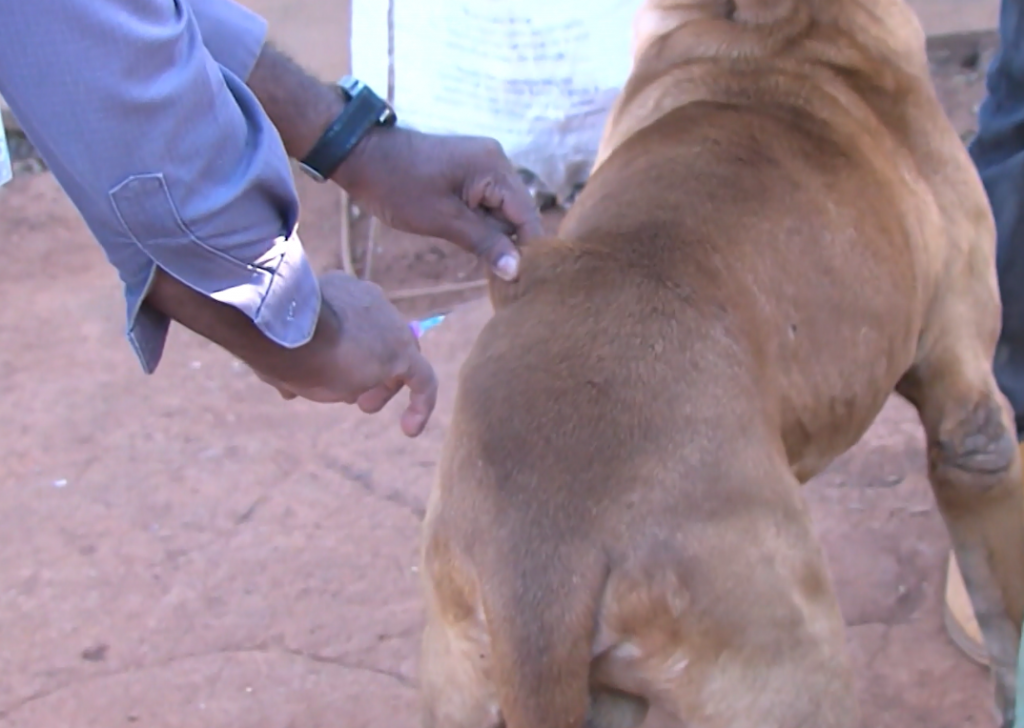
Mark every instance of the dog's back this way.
pixel 625 424
pixel 726 308
pixel 748 247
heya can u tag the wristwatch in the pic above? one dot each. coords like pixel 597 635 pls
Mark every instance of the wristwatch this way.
pixel 363 111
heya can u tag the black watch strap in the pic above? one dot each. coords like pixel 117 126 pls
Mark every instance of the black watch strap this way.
pixel 363 110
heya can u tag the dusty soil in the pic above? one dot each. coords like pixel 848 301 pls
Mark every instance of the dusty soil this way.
pixel 189 550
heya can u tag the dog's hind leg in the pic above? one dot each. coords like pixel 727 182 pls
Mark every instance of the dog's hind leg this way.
pixel 454 689
pixel 975 471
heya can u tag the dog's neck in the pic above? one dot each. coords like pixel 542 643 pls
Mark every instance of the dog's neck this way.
pixel 744 27
pixel 867 55
pixel 658 18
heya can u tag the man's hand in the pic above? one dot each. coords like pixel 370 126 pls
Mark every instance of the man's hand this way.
pixel 461 189
pixel 361 352
pixel 371 358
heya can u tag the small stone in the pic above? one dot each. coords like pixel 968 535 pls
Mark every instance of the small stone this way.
pixel 96 653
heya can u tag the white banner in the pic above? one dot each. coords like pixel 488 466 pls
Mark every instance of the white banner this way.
pixel 537 75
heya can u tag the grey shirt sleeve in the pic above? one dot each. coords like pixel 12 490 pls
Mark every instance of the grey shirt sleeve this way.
pixel 140 110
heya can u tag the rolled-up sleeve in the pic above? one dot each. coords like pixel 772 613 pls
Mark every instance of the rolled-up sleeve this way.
pixel 140 110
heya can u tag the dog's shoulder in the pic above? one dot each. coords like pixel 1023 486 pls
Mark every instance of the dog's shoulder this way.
pixel 541 260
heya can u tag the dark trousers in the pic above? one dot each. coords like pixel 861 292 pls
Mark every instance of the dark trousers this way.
pixel 998 153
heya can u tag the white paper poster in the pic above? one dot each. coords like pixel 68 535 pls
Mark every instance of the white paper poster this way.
pixel 537 75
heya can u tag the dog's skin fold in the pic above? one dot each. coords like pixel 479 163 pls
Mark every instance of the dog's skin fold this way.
pixel 782 229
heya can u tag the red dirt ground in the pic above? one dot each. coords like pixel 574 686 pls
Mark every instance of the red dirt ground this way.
pixel 189 550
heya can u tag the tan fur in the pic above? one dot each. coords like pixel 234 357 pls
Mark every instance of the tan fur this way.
pixel 782 229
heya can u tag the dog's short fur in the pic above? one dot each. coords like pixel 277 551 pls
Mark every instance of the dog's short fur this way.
pixel 782 229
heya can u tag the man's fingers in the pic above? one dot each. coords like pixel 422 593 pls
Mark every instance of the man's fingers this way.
pixel 506 197
pixel 476 232
pixel 376 399
pixel 422 383
pixel 511 200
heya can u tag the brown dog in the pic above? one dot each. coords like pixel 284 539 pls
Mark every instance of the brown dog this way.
pixel 782 229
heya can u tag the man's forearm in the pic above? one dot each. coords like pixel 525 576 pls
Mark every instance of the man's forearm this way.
pixel 299 105
pixel 211 202
pixel 231 329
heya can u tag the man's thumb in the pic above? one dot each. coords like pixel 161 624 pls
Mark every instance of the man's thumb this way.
pixel 482 236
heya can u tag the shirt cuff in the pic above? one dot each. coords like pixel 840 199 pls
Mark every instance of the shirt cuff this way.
pixel 281 295
pixel 233 34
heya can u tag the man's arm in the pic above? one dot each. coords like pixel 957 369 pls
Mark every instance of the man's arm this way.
pixel 183 179
pixel 462 189
pixel 168 156
pixel 236 332
pixel 300 106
